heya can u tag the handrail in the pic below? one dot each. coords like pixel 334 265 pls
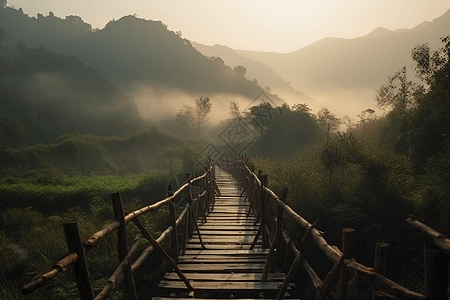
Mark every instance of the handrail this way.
pixel 251 184
pixel 207 198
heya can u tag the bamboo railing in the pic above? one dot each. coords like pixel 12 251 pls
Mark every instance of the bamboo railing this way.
pixel 436 258
pixel 201 190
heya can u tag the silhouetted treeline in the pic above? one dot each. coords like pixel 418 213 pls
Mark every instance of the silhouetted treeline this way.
pixel 44 95
pixel 129 51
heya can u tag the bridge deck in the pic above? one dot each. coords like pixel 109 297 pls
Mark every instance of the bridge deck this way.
pixel 227 268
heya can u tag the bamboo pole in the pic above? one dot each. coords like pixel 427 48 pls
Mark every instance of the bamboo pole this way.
pixel 123 244
pixel 293 269
pixel 263 212
pixel 96 237
pixel 334 254
pixel 439 240
pixel 147 251
pixel 41 279
pixel 347 240
pixel 75 245
pixel 117 277
pixel 381 253
pixel 279 228
pixel 436 274
pixel 173 220
pixel 324 290
pixel 157 245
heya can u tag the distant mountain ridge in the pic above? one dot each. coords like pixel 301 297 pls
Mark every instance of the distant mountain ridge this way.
pixel 255 70
pixel 129 51
pixel 362 62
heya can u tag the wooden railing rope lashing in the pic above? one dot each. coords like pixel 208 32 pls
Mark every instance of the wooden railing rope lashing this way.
pixel 200 205
pixel 344 265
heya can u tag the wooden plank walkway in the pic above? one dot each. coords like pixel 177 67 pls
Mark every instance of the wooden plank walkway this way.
pixel 227 268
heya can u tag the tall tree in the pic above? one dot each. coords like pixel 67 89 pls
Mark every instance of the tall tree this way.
pixel 202 109
pixel 234 111
pixel 430 132
pixel 190 119
pixel 328 121
pixel 397 93
pixel 186 120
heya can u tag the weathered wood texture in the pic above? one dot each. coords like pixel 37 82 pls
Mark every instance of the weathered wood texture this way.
pixel 227 265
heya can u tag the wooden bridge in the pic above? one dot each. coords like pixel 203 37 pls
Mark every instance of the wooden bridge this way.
pixel 232 249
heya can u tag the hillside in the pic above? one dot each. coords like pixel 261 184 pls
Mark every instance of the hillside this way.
pixel 44 95
pixel 255 70
pixel 130 51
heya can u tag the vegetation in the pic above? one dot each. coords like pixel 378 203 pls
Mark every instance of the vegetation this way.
pixel 159 57
pixel 69 138
pixel 45 95
pixel 381 170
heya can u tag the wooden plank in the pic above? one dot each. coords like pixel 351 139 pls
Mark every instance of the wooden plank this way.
pixel 220 260
pixel 229 233
pixel 245 240
pixel 166 298
pixel 222 268
pixel 229 210
pixel 208 286
pixel 228 252
pixel 208 226
pixel 221 247
pixel 230 218
pixel 228 277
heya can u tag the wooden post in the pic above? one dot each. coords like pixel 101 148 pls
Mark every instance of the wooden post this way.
pixel 263 212
pixel 123 244
pixel 75 245
pixel 347 239
pixel 173 222
pixel 293 269
pixel 436 274
pixel 251 192
pixel 381 253
pixel 279 228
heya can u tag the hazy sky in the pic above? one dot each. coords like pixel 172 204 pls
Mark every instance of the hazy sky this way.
pixel 276 25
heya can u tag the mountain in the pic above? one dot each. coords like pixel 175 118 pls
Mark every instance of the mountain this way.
pixel 255 70
pixel 130 51
pixel 44 95
pixel 336 69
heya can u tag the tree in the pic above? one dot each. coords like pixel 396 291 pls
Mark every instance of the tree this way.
pixel 240 71
pixel 397 93
pixel 328 121
pixel 234 111
pixel 202 109
pixel 431 65
pixel 301 107
pixel 191 119
pixel 186 120
pixel 430 124
pixel 366 116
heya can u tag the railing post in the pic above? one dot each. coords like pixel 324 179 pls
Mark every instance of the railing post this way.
pixel 279 227
pixel 123 244
pixel 173 220
pixel 381 253
pixel 82 275
pixel 436 274
pixel 347 239
pixel 263 212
